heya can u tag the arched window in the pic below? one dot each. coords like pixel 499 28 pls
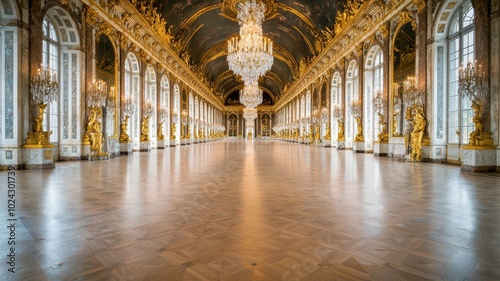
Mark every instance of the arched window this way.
pixel 131 88
pixel 461 51
pixel 352 94
pixel 50 60
pixel 373 86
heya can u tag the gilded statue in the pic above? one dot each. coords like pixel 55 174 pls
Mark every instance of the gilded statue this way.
pixel 311 134
pixel 124 137
pixel 318 133
pixel 160 132
pixel 340 135
pixel 328 132
pixel 475 135
pixel 172 131
pixel 418 123
pixel 359 135
pixel 145 129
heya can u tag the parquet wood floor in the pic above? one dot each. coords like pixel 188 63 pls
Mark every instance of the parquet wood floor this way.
pixel 263 210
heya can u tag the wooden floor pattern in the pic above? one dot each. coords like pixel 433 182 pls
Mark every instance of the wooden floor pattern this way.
pixel 263 210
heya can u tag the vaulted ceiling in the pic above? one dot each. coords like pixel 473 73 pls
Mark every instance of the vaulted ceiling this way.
pixel 294 26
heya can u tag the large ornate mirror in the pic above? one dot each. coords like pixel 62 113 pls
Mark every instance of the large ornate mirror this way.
pixel 403 67
pixel 106 70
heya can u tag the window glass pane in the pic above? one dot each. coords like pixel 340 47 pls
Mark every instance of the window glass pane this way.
pixel 454 24
pixel 468 15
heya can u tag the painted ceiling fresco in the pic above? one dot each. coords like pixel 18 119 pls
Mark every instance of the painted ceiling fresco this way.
pixel 203 28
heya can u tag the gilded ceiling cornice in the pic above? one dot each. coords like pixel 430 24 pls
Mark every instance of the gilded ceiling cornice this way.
pixel 124 18
pixel 345 43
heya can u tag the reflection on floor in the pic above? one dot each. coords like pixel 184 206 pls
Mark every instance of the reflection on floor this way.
pixel 235 210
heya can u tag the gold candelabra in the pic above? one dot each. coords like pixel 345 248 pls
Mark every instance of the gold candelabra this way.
pixel 378 105
pixel 162 115
pixel 337 113
pixel 356 108
pixel 473 84
pixel 97 96
pixel 147 111
pixel 127 109
pixel 44 89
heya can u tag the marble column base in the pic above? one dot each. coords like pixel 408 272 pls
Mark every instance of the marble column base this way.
pixel 99 157
pixel 359 146
pixel 85 151
pixel 327 143
pixel 306 141
pixel 341 145
pixel 380 148
pixel 397 147
pixel 171 143
pixel 145 146
pixel 38 158
pixel 125 148
pixel 479 159
pixel 183 142
pixel 160 144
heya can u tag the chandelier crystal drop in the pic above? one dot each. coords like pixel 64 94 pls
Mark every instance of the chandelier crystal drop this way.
pixel 250 114
pixel 251 54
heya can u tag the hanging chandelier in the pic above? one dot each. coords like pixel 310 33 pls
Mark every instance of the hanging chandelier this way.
pixel 250 114
pixel 251 54
pixel 251 95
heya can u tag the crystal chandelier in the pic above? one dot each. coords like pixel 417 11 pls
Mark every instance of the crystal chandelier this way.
pixel 250 55
pixel 251 96
pixel 250 114
pixel 97 94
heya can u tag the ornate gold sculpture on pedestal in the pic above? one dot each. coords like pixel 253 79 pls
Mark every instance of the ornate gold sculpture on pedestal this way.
pixel 127 110
pixel 378 105
pixel 311 134
pixel 317 133
pixel 97 97
pixel 473 83
pixel 328 131
pixel 417 133
pixel 147 112
pixel 43 88
pixel 162 114
pixel 337 113
pixel 356 108
pixel 172 131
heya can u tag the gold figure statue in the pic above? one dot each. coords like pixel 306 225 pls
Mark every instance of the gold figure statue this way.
pixel 382 134
pixel 417 133
pixel 311 134
pixel 359 135
pixel 145 129
pixel 94 136
pixel 328 132
pixel 475 136
pixel 340 135
pixel 183 129
pixel 160 132
pixel 317 133
pixel 124 137
pixel 172 131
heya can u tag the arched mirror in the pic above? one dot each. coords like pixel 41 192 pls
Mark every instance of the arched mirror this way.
pixel 106 70
pixel 403 68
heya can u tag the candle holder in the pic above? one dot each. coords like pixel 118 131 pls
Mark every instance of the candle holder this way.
pixel 337 113
pixel 378 106
pixel 162 115
pixel 356 108
pixel 44 89
pixel 127 109
pixel 97 96
pixel 473 83
pixel 147 111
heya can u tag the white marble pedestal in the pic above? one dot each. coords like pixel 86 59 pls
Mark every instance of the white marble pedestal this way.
pixel 125 148
pixel 359 146
pixel 38 158
pixel 306 141
pixel 381 148
pixel 172 143
pixel 160 144
pixel 327 143
pixel 341 145
pixel 145 146
pixel 479 159
pixel 85 151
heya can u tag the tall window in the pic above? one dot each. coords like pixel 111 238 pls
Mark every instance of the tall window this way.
pixel 233 125
pixel 461 51
pixel 50 60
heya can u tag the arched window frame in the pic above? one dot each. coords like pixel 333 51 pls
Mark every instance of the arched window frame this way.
pixel 460 51
pixel 50 61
